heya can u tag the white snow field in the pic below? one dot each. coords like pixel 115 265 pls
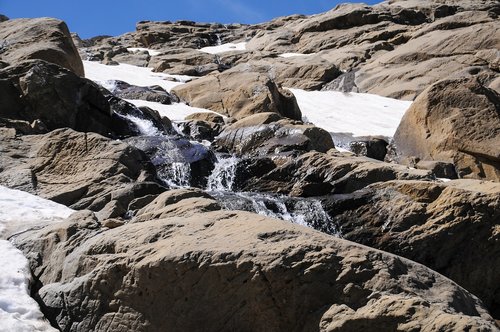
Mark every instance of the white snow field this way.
pixel 140 76
pixel 224 48
pixel 142 49
pixel 18 311
pixel 175 112
pixel 359 114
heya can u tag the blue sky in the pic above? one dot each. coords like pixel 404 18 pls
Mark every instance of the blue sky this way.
pixel 106 17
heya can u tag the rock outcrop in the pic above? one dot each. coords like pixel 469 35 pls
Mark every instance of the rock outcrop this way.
pixel 315 174
pixel 239 92
pixel 76 169
pixel 39 38
pixel 215 270
pixel 267 133
pixel 452 227
pixel 36 90
pixel 455 121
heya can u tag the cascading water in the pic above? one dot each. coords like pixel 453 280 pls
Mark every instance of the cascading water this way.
pixel 171 165
pixel 168 154
pixel 304 211
pixel 223 175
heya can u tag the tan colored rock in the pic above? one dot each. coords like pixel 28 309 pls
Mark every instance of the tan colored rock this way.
pixel 230 270
pixel 78 170
pixel 239 92
pixel 316 174
pixel 452 227
pixel 260 135
pixel 455 121
pixel 39 38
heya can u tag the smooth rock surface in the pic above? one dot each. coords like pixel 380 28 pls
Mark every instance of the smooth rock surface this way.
pixel 226 270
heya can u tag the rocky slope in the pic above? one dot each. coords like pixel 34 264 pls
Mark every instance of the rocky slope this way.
pixel 142 255
pixel 182 264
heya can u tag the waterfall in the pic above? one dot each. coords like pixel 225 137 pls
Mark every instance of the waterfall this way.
pixel 219 40
pixel 223 175
pixel 145 126
pixel 171 165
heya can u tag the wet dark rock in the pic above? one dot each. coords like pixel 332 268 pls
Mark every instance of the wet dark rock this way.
pixel 200 130
pixel 151 93
pixel 163 151
pixel 375 148
pixel 45 92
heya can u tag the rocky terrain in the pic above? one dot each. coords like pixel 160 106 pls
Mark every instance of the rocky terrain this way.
pixel 178 147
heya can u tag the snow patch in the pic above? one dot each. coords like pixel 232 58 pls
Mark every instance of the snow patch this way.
pixel 360 114
pixel 140 76
pixel 224 48
pixel 142 49
pixel 175 112
pixel 18 310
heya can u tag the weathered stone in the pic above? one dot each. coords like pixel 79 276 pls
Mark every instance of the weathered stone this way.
pixel 279 276
pixel 454 121
pixel 451 227
pixel 39 91
pixel 75 169
pixel 239 92
pixel 329 173
pixel 259 140
pixel 39 38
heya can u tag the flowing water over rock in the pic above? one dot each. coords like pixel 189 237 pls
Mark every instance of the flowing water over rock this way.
pixel 182 163
pixel 304 211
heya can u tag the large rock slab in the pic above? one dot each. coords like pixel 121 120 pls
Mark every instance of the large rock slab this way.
pixel 315 174
pixel 76 169
pixel 267 133
pixel 453 228
pixel 455 121
pixel 39 38
pixel 35 90
pixel 227 270
pixel 239 92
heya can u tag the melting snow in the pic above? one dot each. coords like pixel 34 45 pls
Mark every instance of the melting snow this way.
pixel 140 76
pixel 175 112
pixel 360 114
pixel 142 49
pixel 224 48
pixel 18 311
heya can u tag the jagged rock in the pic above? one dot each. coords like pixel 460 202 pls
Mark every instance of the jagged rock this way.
pixel 454 121
pixel 239 92
pixel 453 228
pixel 39 38
pixel 374 148
pixel 75 169
pixel 150 93
pixel 316 174
pixel 186 34
pixel 200 130
pixel 227 270
pixel 36 90
pixel 257 135
pixel 439 169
